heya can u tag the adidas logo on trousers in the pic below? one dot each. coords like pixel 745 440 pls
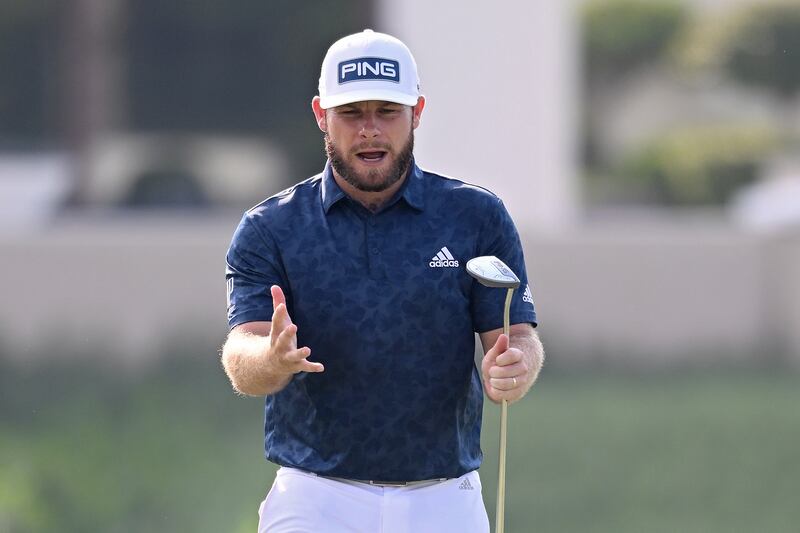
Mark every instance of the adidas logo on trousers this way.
pixel 465 485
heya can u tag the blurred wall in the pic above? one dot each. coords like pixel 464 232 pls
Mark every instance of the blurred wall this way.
pixel 124 286
pixel 501 88
pixel 661 293
pixel 650 294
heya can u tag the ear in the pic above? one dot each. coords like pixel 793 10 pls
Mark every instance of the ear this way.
pixel 319 114
pixel 417 111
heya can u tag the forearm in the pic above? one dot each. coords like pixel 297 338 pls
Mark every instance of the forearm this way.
pixel 245 360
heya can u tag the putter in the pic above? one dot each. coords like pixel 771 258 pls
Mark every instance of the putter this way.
pixel 492 272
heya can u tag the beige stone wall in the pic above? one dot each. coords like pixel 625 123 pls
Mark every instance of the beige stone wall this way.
pixel 660 295
pixel 128 285
pixel 652 294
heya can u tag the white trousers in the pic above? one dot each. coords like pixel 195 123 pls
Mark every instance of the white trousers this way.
pixel 301 502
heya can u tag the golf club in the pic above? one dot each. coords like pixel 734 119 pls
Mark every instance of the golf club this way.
pixel 492 272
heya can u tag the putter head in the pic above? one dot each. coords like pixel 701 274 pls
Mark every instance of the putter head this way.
pixel 492 272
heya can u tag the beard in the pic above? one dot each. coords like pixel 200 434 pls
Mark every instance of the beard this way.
pixel 374 180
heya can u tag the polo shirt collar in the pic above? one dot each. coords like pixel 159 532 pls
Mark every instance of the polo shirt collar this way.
pixel 412 191
pixel 331 192
pixel 414 188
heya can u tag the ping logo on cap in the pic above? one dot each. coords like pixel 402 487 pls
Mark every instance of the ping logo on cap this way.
pixel 369 68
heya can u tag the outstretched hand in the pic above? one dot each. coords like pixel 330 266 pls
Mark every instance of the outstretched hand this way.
pixel 284 355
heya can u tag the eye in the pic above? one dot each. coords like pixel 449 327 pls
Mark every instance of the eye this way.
pixel 347 111
pixel 389 110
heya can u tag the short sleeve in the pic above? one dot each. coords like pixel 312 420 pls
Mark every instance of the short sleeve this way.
pixel 499 237
pixel 253 265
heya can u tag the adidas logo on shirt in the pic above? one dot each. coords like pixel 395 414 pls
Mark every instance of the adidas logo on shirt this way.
pixel 443 259
pixel 527 296
pixel 465 485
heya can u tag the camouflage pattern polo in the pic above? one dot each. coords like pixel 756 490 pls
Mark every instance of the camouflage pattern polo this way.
pixel 385 303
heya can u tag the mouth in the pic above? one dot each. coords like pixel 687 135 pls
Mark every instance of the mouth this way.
pixel 372 156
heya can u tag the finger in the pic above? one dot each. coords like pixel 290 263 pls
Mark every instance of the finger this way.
pixel 508 371
pixel 302 364
pixel 278 324
pixel 287 339
pixel 505 384
pixel 280 318
pixel 295 356
pixel 278 312
pixel 509 357
pixel 277 296
pixel 310 366
pixel 299 362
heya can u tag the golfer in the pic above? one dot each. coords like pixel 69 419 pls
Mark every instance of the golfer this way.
pixel 350 309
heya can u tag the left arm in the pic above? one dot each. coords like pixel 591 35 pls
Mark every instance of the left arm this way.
pixel 510 366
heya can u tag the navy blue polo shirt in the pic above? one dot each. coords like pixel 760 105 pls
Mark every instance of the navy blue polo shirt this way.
pixel 385 303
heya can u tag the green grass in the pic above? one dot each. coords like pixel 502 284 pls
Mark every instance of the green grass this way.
pixel 173 449
pixel 699 452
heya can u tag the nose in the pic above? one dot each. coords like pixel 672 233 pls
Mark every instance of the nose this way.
pixel 369 127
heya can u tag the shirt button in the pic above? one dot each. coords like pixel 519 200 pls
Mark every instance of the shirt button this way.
pixel 372 222
pixel 375 251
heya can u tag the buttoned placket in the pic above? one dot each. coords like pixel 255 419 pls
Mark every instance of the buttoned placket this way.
pixel 373 242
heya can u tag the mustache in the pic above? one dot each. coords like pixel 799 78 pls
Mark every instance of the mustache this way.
pixel 363 147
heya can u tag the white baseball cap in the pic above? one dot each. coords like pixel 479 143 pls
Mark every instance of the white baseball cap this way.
pixel 368 66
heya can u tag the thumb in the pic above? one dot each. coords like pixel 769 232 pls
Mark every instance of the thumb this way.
pixel 500 346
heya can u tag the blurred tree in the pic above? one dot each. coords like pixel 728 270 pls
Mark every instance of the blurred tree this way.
pixel 766 49
pixel 756 45
pixel 622 35
pixel 244 67
pixel 620 38
pixel 699 165
pixel 625 47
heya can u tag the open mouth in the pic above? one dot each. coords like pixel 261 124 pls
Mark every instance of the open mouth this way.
pixel 373 156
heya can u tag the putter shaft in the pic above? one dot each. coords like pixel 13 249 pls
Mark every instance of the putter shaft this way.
pixel 501 475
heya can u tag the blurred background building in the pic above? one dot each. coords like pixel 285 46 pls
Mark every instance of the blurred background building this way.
pixel 649 151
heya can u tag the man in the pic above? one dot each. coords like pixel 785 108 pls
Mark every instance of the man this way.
pixel 351 311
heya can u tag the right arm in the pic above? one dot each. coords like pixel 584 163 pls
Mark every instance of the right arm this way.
pixel 260 358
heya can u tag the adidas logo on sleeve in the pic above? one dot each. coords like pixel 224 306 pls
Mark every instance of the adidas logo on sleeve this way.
pixel 443 259
pixel 527 296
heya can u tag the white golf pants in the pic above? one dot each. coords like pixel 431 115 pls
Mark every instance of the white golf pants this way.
pixel 301 502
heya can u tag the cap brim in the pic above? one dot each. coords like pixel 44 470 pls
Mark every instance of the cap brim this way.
pixel 349 97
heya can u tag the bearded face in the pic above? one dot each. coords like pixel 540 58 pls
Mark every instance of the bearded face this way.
pixel 371 166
